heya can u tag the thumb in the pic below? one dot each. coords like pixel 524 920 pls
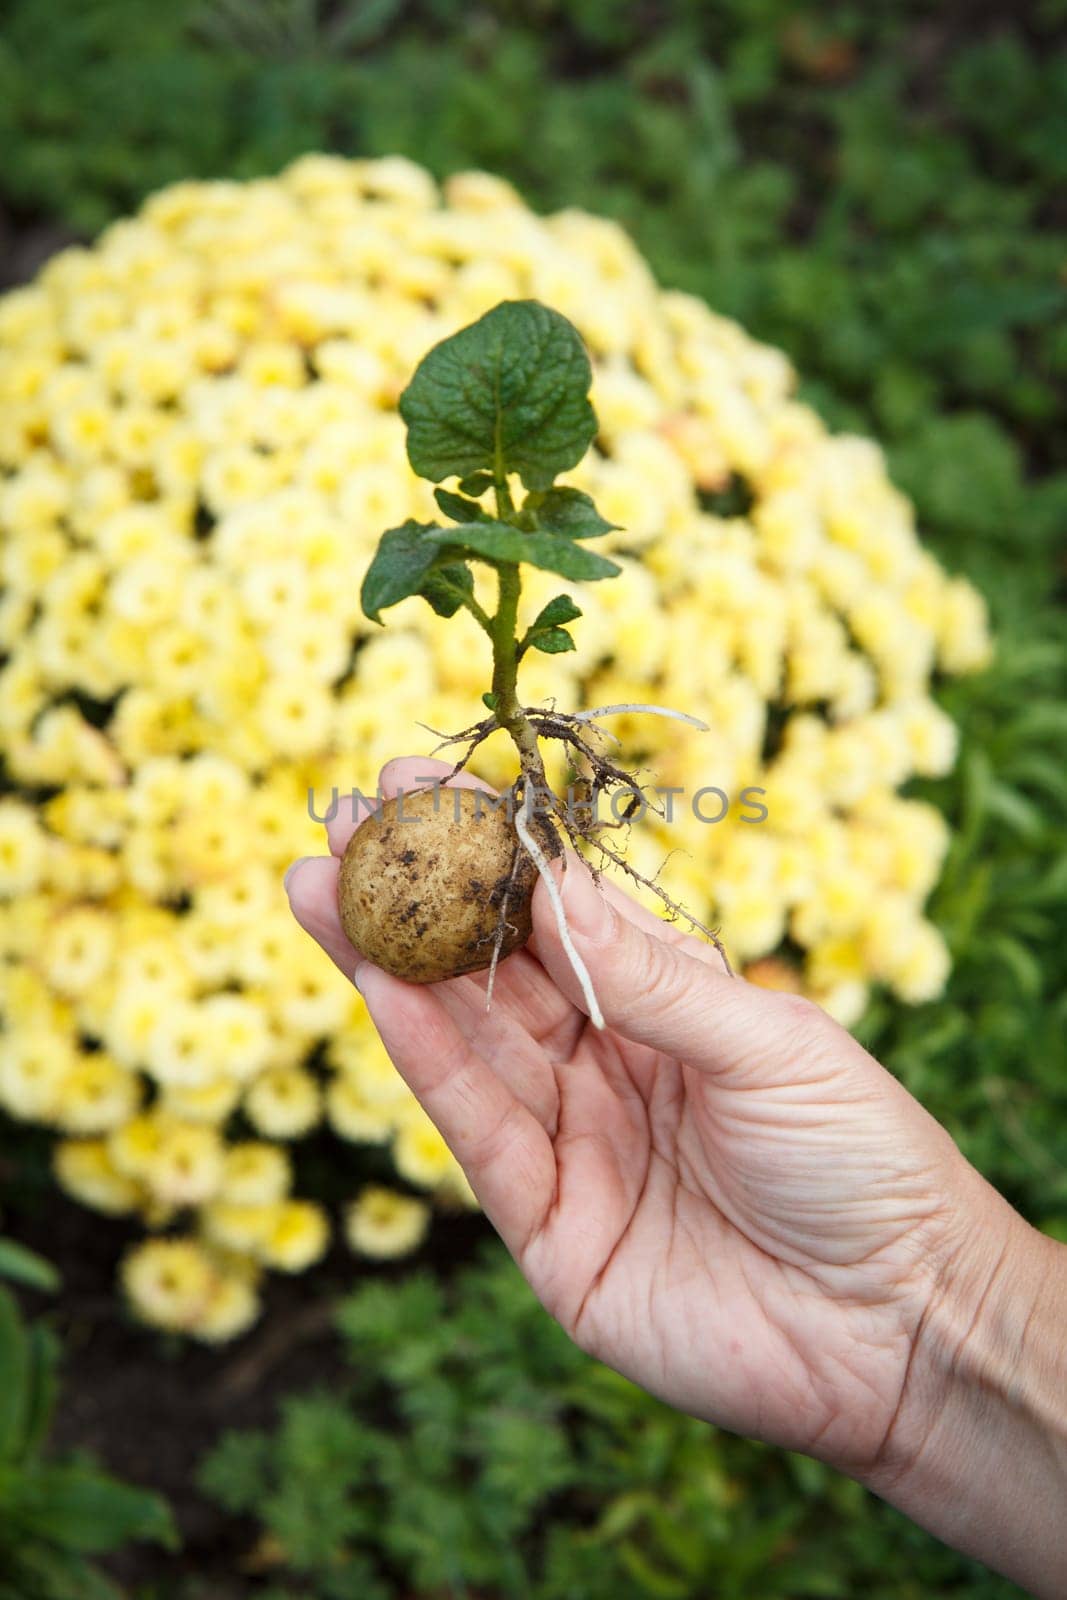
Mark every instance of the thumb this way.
pixel 655 992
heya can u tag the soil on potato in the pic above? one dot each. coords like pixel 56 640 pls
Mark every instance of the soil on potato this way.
pixel 150 1407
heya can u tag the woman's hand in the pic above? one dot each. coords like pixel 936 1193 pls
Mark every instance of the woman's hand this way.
pixel 721 1195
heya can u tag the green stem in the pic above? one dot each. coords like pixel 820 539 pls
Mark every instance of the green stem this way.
pixel 506 705
pixel 483 619
pixel 506 649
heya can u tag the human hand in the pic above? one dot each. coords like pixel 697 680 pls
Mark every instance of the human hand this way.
pixel 721 1195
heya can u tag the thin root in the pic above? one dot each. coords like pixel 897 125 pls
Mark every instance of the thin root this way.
pixel 675 909
pixel 502 925
pixel 581 972
pixel 548 723
pixel 652 711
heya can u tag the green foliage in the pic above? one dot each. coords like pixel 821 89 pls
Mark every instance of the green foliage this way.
pixel 53 1514
pixel 476 1450
pixel 570 512
pixel 498 541
pixel 26 1267
pixel 509 393
pixel 507 396
pixel 546 632
pixel 402 563
pixel 989 1058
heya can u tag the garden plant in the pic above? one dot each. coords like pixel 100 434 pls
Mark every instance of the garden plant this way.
pixel 469 1446
pixel 56 1513
pixel 507 397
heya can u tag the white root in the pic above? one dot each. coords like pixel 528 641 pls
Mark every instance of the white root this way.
pixel 502 926
pixel 540 861
pixel 652 711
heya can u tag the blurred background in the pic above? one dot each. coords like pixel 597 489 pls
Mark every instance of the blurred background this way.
pixel 878 189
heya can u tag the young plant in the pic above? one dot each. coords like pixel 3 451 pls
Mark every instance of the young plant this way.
pixel 471 1450
pixel 55 1515
pixel 503 406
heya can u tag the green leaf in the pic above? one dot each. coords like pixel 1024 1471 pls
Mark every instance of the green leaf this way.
pixel 358 26
pixel 27 1267
pixel 544 550
pixel 456 507
pixel 554 641
pixel 497 541
pixel 48 1573
pixel 571 512
pixel 238 1470
pixel 42 1382
pixel 489 700
pixel 399 567
pixel 559 610
pixel 15 1365
pixel 446 588
pixel 85 1510
pixel 476 484
pixel 510 393
pixel 1020 962
pixel 653 1582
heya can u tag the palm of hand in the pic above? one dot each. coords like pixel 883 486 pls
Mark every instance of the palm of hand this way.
pixel 745 1237
pixel 734 1248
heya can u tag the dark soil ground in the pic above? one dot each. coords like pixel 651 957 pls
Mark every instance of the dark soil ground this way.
pixel 149 1408
pixel 26 243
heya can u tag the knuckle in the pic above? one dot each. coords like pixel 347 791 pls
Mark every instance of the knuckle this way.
pixel 655 977
pixel 806 1021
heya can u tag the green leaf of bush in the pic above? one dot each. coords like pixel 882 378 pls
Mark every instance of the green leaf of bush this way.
pixel 560 609
pixel 458 507
pixel 572 513
pixel 399 568
pixel 446 588
pixel 27 1267
pixel 476 484
pixel 15 1365
pixel 510 393
pixel 49 1573
pixel 498 541
pixel 553 642
pixel 41 1385
pixel 84 1510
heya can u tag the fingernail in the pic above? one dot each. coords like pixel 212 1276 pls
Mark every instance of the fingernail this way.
pixel 357 978
pixel 588 912
pixel 299 862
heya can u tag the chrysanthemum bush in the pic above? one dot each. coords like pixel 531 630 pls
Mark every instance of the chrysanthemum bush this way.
pixel 200 448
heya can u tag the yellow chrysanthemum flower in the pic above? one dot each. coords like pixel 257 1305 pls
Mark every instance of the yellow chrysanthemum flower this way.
pixel 170 1282
pixel 255 1174
pixel 355 1115
pixel 85 1170
pixel 199 446
pixel 384 1224
pixel 420 1153
pixel 187 1165
pixel 22 849
pixel 34 1064
pixel 96 1095
pixel 231 1309
pixel 297 1234
pixel 284 1103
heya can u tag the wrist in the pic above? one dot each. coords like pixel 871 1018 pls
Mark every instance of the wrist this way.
pixel 977 1452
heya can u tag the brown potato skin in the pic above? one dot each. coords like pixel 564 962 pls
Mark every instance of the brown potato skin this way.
pixel 421 884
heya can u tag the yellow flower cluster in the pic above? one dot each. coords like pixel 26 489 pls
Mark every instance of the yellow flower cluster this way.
pixel 199 448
